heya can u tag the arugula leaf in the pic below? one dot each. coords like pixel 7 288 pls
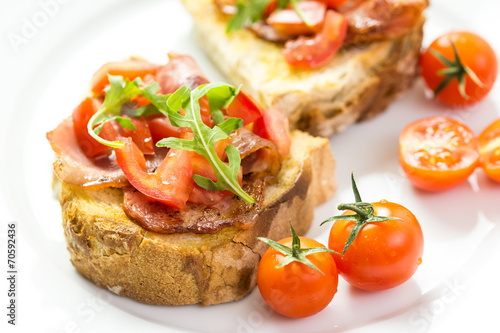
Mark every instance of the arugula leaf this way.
pixel 253 11
pixel 120 92
pixel 205 137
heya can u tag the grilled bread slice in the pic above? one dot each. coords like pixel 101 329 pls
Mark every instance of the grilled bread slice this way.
pixel 358 83
pixel 114 252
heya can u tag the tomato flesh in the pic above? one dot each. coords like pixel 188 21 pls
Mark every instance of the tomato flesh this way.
pixel 129 69
pixel 273 126
pixel 297 290
pixel 161 128
pixel 384 254
pixel 489 142
pixel 475 53
pixel 244 107
pixel 438 153
pixel 141 135
pixel 171 183
pixel 81 116
pixel 289 22
pixel 312 52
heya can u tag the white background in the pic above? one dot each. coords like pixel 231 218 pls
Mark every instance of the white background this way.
pixel 53 298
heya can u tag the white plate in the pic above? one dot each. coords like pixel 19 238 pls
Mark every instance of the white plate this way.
pixel 50 73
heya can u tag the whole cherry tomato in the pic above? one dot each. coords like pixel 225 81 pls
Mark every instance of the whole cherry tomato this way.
pixel 437 153
pixel 489 142
pixel 460 67
pixel 297 277
pixel 381 244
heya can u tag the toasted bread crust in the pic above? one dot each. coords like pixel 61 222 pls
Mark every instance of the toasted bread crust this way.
pixel 358 83
pixel 112 251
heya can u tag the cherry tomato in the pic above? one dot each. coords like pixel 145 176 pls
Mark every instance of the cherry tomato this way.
pixel 312 52
pixel 489 142
pixel 475 54
pixel 129 69
pixel 296 290
pixel 384 254
pixel 438 153
pixel 289 22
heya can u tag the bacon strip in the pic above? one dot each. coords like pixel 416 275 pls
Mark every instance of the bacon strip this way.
pixel 180 70
pixel 74 168
pixel 379 19
pixel 258 155
pixel 156 217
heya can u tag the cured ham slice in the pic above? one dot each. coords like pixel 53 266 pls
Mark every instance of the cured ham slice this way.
pixel 231 211
pixel 73 167
pixel 180 70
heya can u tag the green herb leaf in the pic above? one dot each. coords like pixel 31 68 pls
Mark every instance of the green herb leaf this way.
pixel 119 93
pixel 204 137
pixel 295 253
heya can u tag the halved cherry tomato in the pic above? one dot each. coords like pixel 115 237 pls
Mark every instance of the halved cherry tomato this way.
pixel 171 183
pixel 81 116
pixel 313 52
pixel 438 153
pixel 297 290
pixel 129 69
pixel 245 107
pixel 273 126
pixel 289 22
pixel 141 135
pixel 384 254
pixel 161 128
pixel 489 142
pixel 475 54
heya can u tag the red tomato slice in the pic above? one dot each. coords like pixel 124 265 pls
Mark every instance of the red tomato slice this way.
pixel 244 107
pixel 489 142
pixel 161 128
pixel 333 3
pixel 438 153
pixel 129 69
pixel 273 126
pixel 141 135
pixel 81 116
pixel 289 22
pixel 313 52
pixel 171 183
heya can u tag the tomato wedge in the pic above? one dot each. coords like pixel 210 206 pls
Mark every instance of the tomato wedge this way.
pixel 244 107
pixel 273 126
pixel 289 22
pixel 333 3
pixel 312 52
pixel 489 142
pixel 81 116
pixel 141 135
pixel 438 153
pixel 161 128
pixel 129 69
pixel 171 183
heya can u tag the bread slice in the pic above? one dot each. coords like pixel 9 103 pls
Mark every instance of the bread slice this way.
pixel 358 83
pixel 114 252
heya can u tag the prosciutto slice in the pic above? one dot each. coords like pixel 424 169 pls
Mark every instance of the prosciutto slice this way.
pixel 73 167
pixel 258 155
pixel 378 19
pixel 231 211
pixel 180 70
